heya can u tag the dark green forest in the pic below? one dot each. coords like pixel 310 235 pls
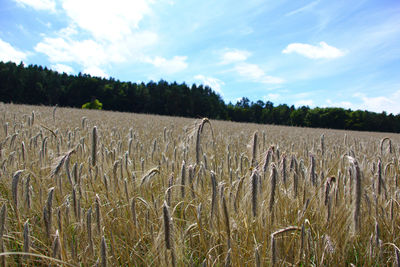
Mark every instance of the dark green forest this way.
pixel 42 86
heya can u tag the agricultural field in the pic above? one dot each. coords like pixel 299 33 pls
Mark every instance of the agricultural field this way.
pixel 83 187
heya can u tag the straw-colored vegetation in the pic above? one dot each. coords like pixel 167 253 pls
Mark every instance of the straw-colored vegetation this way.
pixel 102 188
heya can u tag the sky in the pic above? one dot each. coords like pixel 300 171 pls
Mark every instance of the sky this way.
pixel 338 53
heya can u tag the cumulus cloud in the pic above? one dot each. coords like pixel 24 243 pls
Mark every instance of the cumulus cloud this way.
pixel 103 32
pixel 61 68
pixel 323 50
pixel 254 73
pixel 92 53
pixel 86 52
pixel 249 71
pixel 234 55
pixel 104 19
pixel 69 31
pixel 9 53
pixel 361 101
pixel 49 5
pixel 169 66
pixel 214 83
pixel 92 56
pixel 388 103
pixel 96 71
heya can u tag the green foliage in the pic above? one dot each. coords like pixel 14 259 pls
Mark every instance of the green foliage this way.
pixel 94 104
pixel 40 86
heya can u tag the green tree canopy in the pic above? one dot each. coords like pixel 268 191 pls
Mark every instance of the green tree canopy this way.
pixel 41 86
pixel 94 104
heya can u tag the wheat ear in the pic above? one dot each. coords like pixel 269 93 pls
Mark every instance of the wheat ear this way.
pixel 94 146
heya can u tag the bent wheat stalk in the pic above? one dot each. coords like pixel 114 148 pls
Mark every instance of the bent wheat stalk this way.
pixel 149 174
pixel 199 131
pixel 273 242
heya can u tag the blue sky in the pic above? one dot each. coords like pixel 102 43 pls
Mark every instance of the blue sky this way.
pixel 315 53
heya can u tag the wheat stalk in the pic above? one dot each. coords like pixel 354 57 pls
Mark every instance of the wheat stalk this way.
pixel 313 178
pixel 273 242
pixel 94 146
pixel 133 210
pixel 226 219
pixel 254 192
pixel 59 163
pixel 103 252
pixel 47 212
pixel 3 214
pixel 254 150
pixel 199 131
pixel 89 228
pixel 26 237
pixel 169 190
pixel 273 186
pixel 382 142
pixel 357 195
pixel 54 113
pixel 214 195
pixel 167 226
pixel 183 178
pixel 257 257
pixel 149 174
pixel 56 246
pixel 168 233
pixel 14 188
pixel 97 212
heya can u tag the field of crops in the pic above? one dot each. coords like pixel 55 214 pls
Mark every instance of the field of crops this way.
pixel 102 188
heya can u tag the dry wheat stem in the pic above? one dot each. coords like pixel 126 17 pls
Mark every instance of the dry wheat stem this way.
pixel 26 237
pixel 94 146
pixel 273 186
pixel 103 252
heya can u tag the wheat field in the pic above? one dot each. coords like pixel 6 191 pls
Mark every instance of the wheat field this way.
pixel 98 188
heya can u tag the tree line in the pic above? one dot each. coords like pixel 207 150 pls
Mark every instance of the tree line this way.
pixel 42 86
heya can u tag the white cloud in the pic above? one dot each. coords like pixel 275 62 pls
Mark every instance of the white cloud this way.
pixel 323 50
pixel 169 66
pixel 38 4
pixel 341 104
pixel 304 102
pixel 61 68
pixel 96 71
pixel 107 20
pixel 86 52
pixel 132 48
pixel 389 103
pixel 69 31
pixel 251 72
pixel 234 55
pixel 92 53
pixel 9 53
pixel 214 83
pixel 254 73
pixel 112 35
